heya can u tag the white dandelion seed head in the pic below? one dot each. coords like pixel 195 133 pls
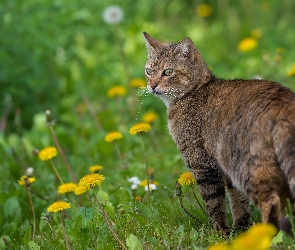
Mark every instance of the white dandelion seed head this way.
pixel 113 14
pixel 29 171
pixel 134 180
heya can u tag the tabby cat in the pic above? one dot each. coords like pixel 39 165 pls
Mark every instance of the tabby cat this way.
pixel 235 135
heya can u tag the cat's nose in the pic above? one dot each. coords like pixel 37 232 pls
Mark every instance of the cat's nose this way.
pixel 153 85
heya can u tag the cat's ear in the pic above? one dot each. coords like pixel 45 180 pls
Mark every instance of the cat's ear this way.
pixel 186 48
pixel 151 43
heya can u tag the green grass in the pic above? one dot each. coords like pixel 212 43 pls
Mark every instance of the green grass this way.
pixel 62 56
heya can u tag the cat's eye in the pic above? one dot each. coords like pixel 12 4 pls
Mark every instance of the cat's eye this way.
pixel 149 71
pixel 168 72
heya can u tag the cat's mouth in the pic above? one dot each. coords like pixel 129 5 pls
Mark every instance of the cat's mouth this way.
pixel 154 91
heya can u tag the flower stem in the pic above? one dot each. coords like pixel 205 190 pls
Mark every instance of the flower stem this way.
pixel 105 216
pixel 62 153
pixel 92 112
pixel 50 163
pixel 146 163
pixel 118 153
pixel 33 211
pixel 199 203
pixel 64 231
pixel 188 213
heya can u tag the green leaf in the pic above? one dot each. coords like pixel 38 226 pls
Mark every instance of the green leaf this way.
pixel 12 207
pixel 124 199
pixel 103 195
pixel 123 195
pixel 142 220
pixel 109 208
pixel 27 235
pixel 133 243
pixel 194 235
pixel 2 243
pixel 86 214
pixel 33 245
pixel 180 230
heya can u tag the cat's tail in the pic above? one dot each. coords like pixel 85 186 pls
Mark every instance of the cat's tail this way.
pixel 284 145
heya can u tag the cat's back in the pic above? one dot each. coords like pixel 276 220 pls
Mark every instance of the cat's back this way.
pixel 250 98
pixel 243 116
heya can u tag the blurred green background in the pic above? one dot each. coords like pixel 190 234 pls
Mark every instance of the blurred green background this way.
pixel 52 51
pixel 62 55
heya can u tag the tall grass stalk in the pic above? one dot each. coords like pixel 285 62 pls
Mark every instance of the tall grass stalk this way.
pixel 50 123
pixel 106 218
pixel 30 204
pixel 146 163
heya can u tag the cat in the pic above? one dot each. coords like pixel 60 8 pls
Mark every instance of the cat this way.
pixel 236 136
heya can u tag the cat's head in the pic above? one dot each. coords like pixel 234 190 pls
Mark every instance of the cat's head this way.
pixel 174 69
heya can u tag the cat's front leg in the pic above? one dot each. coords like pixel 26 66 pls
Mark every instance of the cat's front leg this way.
pixel 210 181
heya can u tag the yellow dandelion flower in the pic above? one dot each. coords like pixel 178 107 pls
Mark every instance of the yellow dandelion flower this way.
pixel 291 72
pixel 139 127
pixel 204 10
pixel 112 136
pixel 116 91
pixel 268 230
pixel 257 237
pixel 137 83
pixel 66 188
pixel 80 190
pixel 91 180
pixel 58 206
pixel 24 180
pixel 149 117
pixel 47 153
pixel 95 168
pixel 221 246
pixel 187 179
pixel 247 44
pixel 144 183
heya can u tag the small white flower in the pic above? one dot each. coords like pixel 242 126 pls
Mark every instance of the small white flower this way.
pixel 113 14
pixel 134 180
pixel 29 171
pixel 134 186
pixel 152 187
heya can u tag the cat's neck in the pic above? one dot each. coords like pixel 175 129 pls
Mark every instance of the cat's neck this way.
pixel 177 100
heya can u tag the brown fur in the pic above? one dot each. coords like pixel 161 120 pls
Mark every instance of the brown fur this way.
pixel 235 135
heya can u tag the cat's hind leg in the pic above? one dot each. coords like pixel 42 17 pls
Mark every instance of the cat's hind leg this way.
pixel 239 204
pixel 268 189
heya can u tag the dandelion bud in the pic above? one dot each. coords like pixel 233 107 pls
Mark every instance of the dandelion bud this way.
pixel 35 151
pixel 178 190
pixel 49 119
pixel 138 198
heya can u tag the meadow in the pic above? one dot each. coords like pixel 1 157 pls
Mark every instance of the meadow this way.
pixel 81 138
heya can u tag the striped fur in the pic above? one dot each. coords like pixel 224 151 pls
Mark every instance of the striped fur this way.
pixel 236 136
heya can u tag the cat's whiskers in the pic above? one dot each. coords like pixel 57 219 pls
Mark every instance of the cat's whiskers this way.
pixel 143 93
